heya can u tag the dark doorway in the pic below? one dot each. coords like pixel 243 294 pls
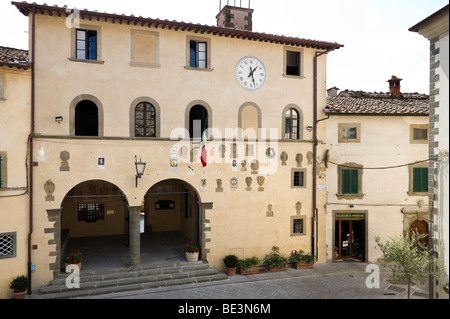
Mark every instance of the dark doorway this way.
pixel 421 227
pixel 350 239
pixel 86 119
pixel 198 116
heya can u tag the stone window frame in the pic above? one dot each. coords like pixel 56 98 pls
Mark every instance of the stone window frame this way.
pixel 293 170
pixel 341 126
pixel 300 122
pixel 2 87
pixel 292 219
pixel 3 170
pixel 72 107
pixel 73 39
pixel 14 244
pixel 411 179
pixel 360 193
pixel 293 49
pixel 133 61
pixel 190 38
pixel 157 115
pixel 412 127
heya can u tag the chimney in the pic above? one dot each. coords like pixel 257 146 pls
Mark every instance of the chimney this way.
pixel 394 86
pixel 333 92
pixel 234 17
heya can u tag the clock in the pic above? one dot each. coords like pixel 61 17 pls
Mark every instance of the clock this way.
pixel 251 73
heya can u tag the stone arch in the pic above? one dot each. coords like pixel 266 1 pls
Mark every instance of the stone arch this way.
pixel 72 108
pixel 157 115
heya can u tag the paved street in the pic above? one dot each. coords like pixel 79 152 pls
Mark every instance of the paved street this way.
pixel 325 281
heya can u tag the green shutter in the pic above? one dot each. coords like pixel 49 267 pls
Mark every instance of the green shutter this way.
pixel 349 181
pixel 420 179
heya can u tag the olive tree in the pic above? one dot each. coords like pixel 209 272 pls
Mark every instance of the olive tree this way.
pixel 409 259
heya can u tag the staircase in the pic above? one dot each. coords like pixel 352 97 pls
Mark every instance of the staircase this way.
pixel 98 284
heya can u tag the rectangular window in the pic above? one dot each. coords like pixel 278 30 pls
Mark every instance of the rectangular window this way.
pixel 420 179
pixel 420 134
pixel 350 181
pixel 91 213
pixel 198 55
pixel 349 133
pixel 298 178
pixel 7 245
pixel 298 226
pixel 86 44
pixel 293 63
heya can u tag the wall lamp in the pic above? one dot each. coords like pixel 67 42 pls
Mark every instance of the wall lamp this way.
pixel 309 128
pixel 140 168
pixel 59 119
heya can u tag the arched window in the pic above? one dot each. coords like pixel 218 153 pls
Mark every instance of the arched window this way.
pixel 86 119
pixel 198 116
pixel 145 120
pixel 292 125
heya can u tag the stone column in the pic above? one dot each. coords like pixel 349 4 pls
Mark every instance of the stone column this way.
pixel 134 234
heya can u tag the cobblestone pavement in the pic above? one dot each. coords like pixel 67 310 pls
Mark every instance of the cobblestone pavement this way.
pixel 325 281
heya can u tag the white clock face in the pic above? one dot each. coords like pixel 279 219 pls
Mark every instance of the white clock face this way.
pixel 251 73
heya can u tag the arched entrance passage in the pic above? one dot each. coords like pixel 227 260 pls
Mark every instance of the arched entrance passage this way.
pixel 169 219
pixel 420 227
pixel 94 221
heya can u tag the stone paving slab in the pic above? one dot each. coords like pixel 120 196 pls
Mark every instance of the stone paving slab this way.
pixel 325 281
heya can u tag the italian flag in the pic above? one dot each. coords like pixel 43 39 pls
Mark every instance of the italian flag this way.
pixel 203 157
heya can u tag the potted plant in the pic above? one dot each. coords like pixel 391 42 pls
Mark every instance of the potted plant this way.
pixel 192 250
pixel 249 266
pixel 74 259
pixel 20 285
pixel 275 261
pixel 300 260
pixel 232 262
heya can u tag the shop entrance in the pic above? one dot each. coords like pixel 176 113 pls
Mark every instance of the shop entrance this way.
pixel 350 237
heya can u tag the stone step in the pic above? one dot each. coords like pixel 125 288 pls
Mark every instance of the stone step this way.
pixel 102 283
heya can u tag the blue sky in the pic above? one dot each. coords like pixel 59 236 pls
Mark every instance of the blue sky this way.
pixel 374 32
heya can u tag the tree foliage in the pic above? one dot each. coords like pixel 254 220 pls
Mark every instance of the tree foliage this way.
pixel 409 259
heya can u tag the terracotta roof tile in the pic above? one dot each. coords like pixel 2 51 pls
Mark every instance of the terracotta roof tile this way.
pixel 14 57
pixel 358 102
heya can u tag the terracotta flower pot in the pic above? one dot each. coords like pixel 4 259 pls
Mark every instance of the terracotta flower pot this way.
pixel 299 265
pixel 251 271
pixel 231 271
pixel 20 295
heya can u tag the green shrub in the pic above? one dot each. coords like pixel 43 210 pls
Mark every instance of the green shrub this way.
pixel 275 259
pixel 19 283
pixel 231 261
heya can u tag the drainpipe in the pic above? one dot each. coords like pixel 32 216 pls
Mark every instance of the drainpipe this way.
pixel 31 141
pixel 315 218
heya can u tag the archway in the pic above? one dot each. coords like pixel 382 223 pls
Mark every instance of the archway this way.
pixel 420 227
pixel 94 221
pixel 86 119
pixel 169 219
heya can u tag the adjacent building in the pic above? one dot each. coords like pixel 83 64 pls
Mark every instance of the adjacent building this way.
pixel 435 29
pixel 377 168
pixel 15 90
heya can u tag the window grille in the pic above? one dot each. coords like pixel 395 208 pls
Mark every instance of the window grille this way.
pixel 91 213
pixel 298 226
pixel 7 245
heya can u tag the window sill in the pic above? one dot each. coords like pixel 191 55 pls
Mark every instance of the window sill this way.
pixel 145 65
pixel 417 193
pixel 198 69
pixel 86 61
pixel 298 77
pixel 350 196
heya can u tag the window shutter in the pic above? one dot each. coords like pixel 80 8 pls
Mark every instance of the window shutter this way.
pixel 420 179
pixel 349 181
